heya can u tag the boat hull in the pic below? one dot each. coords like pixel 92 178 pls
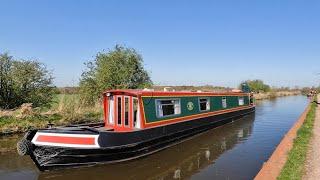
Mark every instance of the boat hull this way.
pixel 117 147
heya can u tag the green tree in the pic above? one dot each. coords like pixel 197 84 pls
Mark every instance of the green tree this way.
pixel 119 68
pixel 257 85
pixel 24 82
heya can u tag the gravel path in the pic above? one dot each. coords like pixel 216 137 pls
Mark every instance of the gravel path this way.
pixel 312 167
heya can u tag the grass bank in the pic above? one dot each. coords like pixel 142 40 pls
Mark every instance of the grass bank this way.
pixel 275 94
pixel 65 109
pixel 294 166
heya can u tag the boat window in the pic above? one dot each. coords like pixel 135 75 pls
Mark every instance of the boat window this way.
pixel 119 110
pixel 126 111
pixel 241 101
pixel 135 112
pixel 224 102
pixel 168 107
pixel 111 109
pixel 204 104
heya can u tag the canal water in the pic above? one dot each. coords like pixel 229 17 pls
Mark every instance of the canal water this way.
pixel 234 151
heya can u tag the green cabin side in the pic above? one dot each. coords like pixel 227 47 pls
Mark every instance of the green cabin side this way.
pixel 150 105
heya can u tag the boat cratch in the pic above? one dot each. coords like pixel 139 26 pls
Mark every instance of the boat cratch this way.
pixel 136 123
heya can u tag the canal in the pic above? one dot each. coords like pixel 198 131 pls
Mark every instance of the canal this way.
pixel 234 151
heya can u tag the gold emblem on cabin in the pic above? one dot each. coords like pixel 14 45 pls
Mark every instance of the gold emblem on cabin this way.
pixel 190 106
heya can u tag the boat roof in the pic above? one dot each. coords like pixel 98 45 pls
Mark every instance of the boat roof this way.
pixel 141 92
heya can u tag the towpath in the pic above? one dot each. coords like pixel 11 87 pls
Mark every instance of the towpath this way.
pixel 312 167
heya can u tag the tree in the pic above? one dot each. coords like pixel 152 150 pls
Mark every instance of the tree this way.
pixel 24 82
pixel 7 93
pixel 257 85
pixel 119 68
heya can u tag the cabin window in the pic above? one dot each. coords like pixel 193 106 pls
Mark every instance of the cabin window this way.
pixel 126 111
pixel 204 104
pixel 111 109
pixel 224 102
pixel 168 107
pixel 119 112
pixel 241 101
pixel 135 112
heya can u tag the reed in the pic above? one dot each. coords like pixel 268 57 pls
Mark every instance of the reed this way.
pixel 73 111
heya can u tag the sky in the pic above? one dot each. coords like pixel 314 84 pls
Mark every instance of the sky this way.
pixel 198 42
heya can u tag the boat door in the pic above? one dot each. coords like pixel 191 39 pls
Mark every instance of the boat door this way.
pixel 122 108
pixel 122 112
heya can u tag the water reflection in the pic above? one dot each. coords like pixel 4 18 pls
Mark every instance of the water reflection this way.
pixel 13 166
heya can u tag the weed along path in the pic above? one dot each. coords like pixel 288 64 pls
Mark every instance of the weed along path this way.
pixel 312 166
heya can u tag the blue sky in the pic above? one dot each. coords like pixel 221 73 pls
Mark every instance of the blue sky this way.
pixel 182 42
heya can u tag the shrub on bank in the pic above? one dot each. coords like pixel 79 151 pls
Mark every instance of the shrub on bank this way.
pixel 257 86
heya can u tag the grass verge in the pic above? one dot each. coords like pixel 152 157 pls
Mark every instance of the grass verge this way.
pixel 293 169
pixel 65 109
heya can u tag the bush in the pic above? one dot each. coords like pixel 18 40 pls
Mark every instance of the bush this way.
pixel 24 82
pixel 257 86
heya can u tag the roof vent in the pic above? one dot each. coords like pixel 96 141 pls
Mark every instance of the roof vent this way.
pixel 146 89
pixel 236 90
pixel 168 89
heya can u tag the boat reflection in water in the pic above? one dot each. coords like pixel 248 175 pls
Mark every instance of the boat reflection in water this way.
pixel 178 162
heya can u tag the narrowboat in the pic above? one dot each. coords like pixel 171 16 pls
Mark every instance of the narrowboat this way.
pixel 136 123
pixel 182 161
